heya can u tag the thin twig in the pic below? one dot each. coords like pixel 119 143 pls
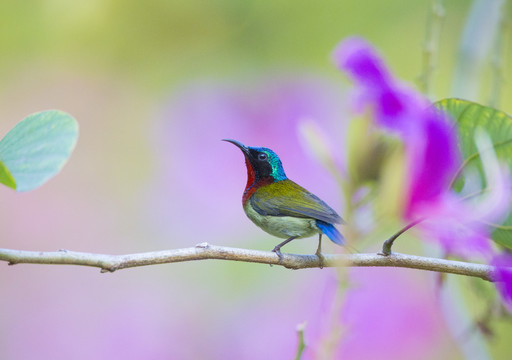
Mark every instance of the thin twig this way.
pixel 386 247
pixel 203 251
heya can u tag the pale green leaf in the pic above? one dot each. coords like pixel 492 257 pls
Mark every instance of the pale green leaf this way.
pixel 38 147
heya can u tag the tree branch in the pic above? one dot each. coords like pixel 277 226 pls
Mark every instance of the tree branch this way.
pixel 203 251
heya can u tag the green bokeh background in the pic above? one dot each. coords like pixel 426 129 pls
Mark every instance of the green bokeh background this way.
pixel 156 44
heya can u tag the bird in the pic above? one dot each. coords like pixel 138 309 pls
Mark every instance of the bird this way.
pixel 281 207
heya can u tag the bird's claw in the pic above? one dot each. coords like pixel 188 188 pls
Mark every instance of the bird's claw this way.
pixel 279 254
pixel 321 259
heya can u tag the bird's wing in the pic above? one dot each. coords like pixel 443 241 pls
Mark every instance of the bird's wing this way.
pixel 286 198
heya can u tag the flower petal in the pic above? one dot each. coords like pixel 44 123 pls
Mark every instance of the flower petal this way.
pixel 503 264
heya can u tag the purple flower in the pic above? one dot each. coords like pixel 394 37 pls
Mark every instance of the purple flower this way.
pixel 431 154
pixel 431 146
pixel 503 264
pixel 432 161
pixel 394 104
pixel 432 157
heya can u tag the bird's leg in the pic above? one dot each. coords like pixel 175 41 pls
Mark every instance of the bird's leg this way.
pixel 319 251
pixel 278 247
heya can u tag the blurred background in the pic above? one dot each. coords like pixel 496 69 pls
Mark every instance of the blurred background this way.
pixel 154 86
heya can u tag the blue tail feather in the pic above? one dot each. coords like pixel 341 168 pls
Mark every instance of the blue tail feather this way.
pixel 331 232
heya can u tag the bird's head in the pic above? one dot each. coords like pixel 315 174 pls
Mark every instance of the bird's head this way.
pixel 261 162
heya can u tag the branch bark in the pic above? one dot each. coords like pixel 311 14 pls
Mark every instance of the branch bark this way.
pixel 203 251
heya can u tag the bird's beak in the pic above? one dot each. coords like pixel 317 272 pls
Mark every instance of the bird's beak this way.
pixel 238 144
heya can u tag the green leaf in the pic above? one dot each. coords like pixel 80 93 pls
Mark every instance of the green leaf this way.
pixel 469 117
pixel 38 147
pixel 6 176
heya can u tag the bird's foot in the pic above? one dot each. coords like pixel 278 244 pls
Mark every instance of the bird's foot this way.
pixel 321 259
pixel 277 250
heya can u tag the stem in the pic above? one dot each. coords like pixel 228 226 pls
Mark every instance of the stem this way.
pixel 431 45
pixel 386 247
pixel 476 44
pixel 302 343
pixel 204 251
pixel 497 59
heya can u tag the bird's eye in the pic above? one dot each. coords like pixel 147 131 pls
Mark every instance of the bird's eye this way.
pixel 262 156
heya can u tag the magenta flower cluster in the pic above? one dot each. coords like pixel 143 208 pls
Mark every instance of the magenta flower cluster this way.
pixel 432 161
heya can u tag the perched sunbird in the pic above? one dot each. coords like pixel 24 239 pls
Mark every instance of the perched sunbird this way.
pixel 281 207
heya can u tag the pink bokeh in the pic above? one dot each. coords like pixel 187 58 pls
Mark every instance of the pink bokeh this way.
pixel 201 179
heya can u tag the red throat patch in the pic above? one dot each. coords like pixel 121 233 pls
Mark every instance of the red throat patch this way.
pixel 250 189
pixel 251 176
pixel 252 184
